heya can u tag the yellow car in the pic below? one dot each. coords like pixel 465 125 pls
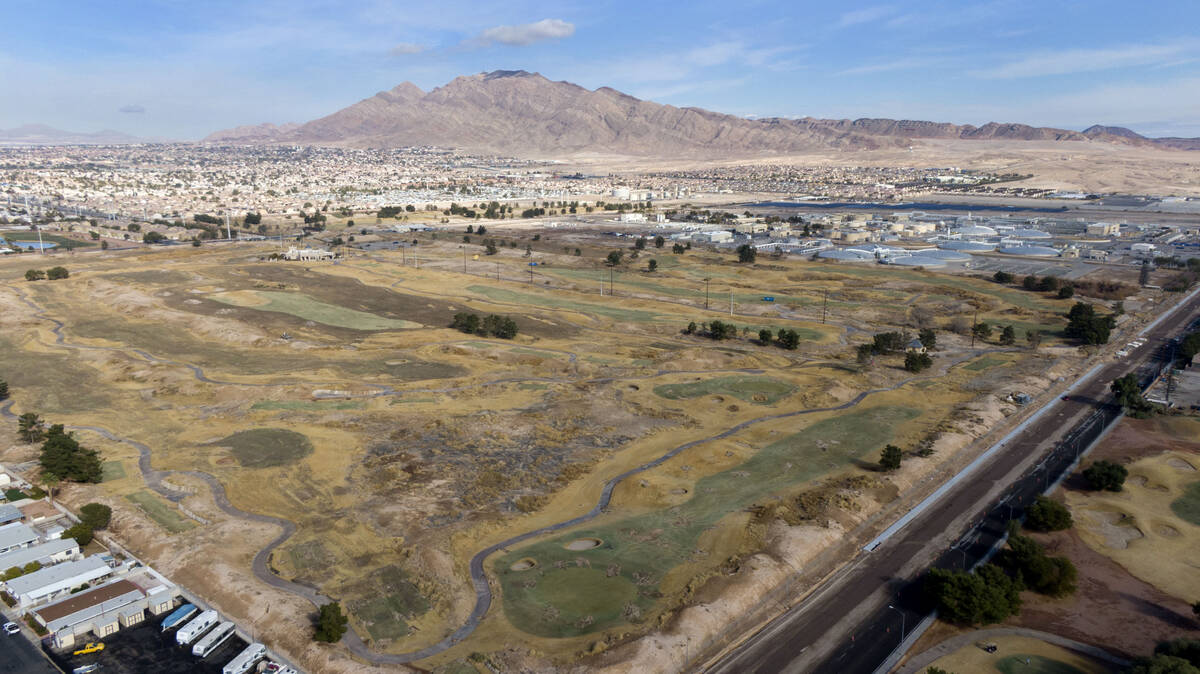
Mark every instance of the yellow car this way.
pixel 90 648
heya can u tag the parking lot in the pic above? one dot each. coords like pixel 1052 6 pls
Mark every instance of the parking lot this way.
pixel 144 648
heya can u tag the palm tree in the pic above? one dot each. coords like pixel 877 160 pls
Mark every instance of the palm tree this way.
pixel 50 481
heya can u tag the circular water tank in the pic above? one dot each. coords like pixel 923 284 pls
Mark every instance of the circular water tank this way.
pixel 974 230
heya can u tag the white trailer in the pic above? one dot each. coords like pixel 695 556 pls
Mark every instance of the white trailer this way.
pixel 245 660
pixel 190 631
pixel 213 639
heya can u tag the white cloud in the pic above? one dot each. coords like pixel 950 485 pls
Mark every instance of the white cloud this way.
pixel 865 15
pixel 1069 61
pixel 527 33
pixel 888 66
pixel 132 109
pixel 406 48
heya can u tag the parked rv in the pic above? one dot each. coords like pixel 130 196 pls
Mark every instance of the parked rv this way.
pixel 188 633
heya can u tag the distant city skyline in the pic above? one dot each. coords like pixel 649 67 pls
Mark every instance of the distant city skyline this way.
pixel 166 69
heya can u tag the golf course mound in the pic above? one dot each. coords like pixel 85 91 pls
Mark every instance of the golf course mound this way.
pixel 267 447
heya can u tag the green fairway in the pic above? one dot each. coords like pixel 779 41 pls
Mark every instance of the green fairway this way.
pixel 307 405
pixel 309 309
pixel 984 363
pixel 1033 664
pixel 112 470
pixel 267 447
pixel 758 390
pixel 1187 507
pixel 160 512
pixel 636 552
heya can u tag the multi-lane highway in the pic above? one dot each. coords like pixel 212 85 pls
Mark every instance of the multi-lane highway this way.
pixel 858 617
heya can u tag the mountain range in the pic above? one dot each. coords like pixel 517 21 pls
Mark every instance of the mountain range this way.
pixel 524 114
pixel 40 134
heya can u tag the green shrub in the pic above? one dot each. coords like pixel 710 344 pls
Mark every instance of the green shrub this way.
pixel 1048 515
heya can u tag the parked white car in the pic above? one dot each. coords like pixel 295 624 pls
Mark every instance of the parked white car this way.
pixel 11 628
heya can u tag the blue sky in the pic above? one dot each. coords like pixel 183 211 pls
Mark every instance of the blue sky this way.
pixel 183 68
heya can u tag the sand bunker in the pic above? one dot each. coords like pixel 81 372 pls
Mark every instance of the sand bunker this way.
pixel 1166 530
pixel 1114 527
pixel 523 564
pixel 1141 481
pixel 1180 464
pixel 583 544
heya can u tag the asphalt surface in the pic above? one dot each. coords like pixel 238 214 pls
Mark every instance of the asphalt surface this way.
pixel 854 621
pixel 20 656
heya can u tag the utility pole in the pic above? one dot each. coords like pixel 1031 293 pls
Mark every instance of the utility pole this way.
pixel 464 260
pixel 497 270
pixel 610 282
pixel 706 280
pixel 531 273
pixel 731 301
pixel 824 305
pixel 973 324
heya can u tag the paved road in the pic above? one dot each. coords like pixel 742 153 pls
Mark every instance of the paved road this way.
pixel 849 623
pixel 20 656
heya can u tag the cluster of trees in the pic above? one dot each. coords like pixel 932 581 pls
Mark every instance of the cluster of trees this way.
pixel 992 592
pixel 982 597
pixel 63 457
pixel 155 237
pixel 92 517
pixel 915 361
pixel 1048 515
pixel 1027 562
pixel 331 623
pixel 3 390
pixel 30 428
pixel 1105 475
pixel 18 571
pixel 885 343
pixel 1032 283
pixel 1129 394
pixel 747 253
pixel 714 329
pixel 1189 347
pixel 471 229
pixel 394 211
pixel 1178 656
pixel 493 325
pixel 786 338
pixel 53 274
pixel 890 457
pixel 1084 324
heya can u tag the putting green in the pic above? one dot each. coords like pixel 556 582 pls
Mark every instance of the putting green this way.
pixel 1021 663
pixel 309 309
pixel 1187 507
pixel 758 390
